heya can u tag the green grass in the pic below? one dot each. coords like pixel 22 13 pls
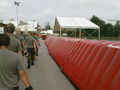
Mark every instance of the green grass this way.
pixel 101 38
pixel 111 38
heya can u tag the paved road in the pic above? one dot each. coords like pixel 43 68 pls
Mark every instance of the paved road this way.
pixel 45 74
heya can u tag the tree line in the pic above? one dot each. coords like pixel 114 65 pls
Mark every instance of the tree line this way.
pixel 107 29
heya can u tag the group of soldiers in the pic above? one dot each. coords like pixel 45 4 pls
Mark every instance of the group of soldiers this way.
pixel 13 47
pixel 30 45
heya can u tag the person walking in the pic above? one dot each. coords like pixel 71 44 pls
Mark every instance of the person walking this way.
pixel 11 67
pixel 31 49
pixel 15 44
pixel 21 39
pixel 36 42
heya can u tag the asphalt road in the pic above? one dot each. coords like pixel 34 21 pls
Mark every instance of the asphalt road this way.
pixel 45 74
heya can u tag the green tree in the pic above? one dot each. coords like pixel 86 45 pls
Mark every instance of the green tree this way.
pixel 97 21
pixel 117 29
pixel 108 30
pixel 101 23
pixel 47 26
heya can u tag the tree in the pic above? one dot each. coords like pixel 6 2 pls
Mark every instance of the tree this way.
pixel 47 26
pixel 38 27
pixel 108 30
pixel 101 23
pixel 117 29
pixel 97 21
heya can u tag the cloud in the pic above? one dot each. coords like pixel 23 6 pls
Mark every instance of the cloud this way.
pixel 46 10
pixel 80 1
pixel 4 3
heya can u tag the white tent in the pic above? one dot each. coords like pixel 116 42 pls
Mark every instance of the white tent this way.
pixel 47 32
pixel 30 27
pixel 24 26
pixel 74 22
pixel 14 22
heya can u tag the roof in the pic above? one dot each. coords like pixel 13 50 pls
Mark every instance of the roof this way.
pixel 24 26
pixel 76 22
pixel 14 22
pixel 22 23
pixel 29 27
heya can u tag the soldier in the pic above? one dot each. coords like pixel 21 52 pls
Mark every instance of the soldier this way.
pixel 21 39
pixel 11 67
pixel 15 44
pixel 36 42
pixel 31 48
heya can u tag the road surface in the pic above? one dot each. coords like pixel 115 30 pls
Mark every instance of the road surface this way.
pixel 45 74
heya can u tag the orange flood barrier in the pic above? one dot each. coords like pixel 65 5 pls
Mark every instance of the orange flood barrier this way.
pixel 89 64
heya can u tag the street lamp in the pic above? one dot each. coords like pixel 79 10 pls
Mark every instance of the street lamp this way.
pixel 17 5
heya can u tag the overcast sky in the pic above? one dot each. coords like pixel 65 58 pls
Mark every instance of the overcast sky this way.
pixel 46 10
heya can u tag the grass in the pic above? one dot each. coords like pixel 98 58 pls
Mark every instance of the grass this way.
pixel 101 38
pixel 111 38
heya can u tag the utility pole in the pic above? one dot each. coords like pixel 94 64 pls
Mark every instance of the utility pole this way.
pixel 17 5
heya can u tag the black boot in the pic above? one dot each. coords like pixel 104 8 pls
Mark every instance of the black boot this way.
pixel 32 62
pixel 28 66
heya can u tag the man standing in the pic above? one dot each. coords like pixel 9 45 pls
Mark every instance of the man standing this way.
pixel 11 67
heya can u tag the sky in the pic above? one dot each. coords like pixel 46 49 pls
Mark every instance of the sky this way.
pixel 44 11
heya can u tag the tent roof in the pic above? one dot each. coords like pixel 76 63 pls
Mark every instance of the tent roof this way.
pixel 29 27
pixel 76 22
pixel 14 22
pixel 22 23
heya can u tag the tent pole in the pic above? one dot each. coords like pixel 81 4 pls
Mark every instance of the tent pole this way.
pixel 80 33
pixel 99 34
pixel 60 32
pixel 75 33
